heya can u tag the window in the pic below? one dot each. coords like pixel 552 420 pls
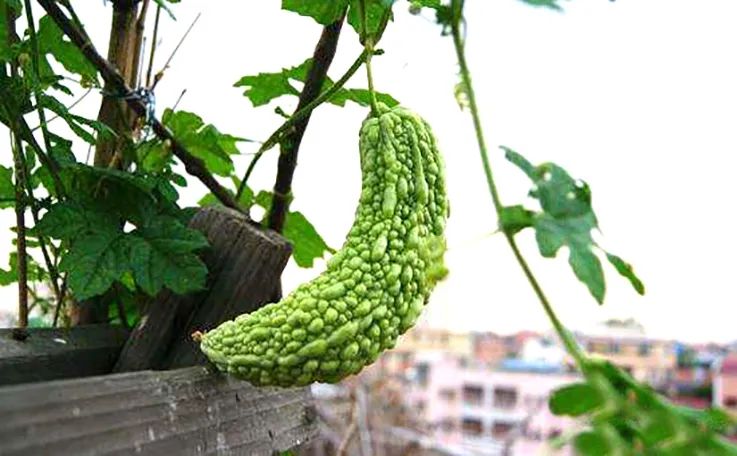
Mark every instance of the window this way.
pixel 501 429
pixel 448 394
pixel 505 398
pixel 447 425
pixel 473 395
pixel 730 401
pixel 472 426
pixel 422 371
pixel 644 349
pixel 614 347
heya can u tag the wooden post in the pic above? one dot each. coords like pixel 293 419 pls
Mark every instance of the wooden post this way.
pixel 244 264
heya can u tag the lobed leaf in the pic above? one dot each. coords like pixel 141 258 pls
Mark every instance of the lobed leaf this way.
pixel 163 255
pixel 265 87
pixel 625 269
pixel 566 220
pixel 321 11
pixel 575 400
pixel 51 40
pixel 94 262
pixel 204 141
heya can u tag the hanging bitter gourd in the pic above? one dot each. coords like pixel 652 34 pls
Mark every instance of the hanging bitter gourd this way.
pixel 373 289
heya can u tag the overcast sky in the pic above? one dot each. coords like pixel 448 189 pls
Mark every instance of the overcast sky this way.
pixel 637 98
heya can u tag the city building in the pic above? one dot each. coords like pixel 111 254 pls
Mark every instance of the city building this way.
pixel 725 383
pixel 471 406
pixel 625 344
pixel 422 339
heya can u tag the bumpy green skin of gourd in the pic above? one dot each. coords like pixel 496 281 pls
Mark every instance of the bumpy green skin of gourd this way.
pixel 373 289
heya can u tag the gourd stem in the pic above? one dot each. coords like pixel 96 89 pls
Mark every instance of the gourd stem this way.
pixel 368 44
pixel 570 345
pixel 370 77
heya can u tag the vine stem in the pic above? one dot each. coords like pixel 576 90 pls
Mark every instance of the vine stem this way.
pixel 370 78
pixel 43 124
pixel 570 345
pixel 322 58
pixel 19 186
pixel 280 132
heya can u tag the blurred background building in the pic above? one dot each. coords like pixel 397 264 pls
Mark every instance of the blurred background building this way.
pixel 440 392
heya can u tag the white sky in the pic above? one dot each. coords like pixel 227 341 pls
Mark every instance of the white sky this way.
pixel 637 98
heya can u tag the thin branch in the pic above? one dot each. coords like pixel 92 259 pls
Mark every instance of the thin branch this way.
pixel 51 268
pixel 193 165
pixel 139 46
pixel 160 74
pixel 572 348
pixel 154 40
pixel 179 99
pixel 62 298
pixel 45 123
pixel 280 132
pixel 20 221
pixel 26 135
pixel 20 180
pixel 321 60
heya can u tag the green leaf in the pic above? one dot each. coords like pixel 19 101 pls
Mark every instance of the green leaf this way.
pixel 68 220
pixel 15 96
pixel 95 262
pixel 51 40
pixel 203 141
pixel 514 219
pixel 6 53
pixel 553 233
pixel 416 5
pixel 559 194
pixel 361 97
pixel 376 10
pixel 587 267
pixel 165 7
pixel 591 444
pixel 153 156
pixel 307 242
pixel 324 12
pixel 265 87
pixel 550 4
pixel 567 219
pixel 163 255
pixel 7 187
pixel 575 400
pixel 76 122
pixel 626 270
pixel 519 161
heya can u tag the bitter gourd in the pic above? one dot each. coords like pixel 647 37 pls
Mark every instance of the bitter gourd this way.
pixel 373 289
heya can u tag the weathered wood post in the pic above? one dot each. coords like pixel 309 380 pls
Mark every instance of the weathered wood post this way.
pixel 244 264
pixel 182 411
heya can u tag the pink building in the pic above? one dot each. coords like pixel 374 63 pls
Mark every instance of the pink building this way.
pixel 472 409
pixel 725 383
